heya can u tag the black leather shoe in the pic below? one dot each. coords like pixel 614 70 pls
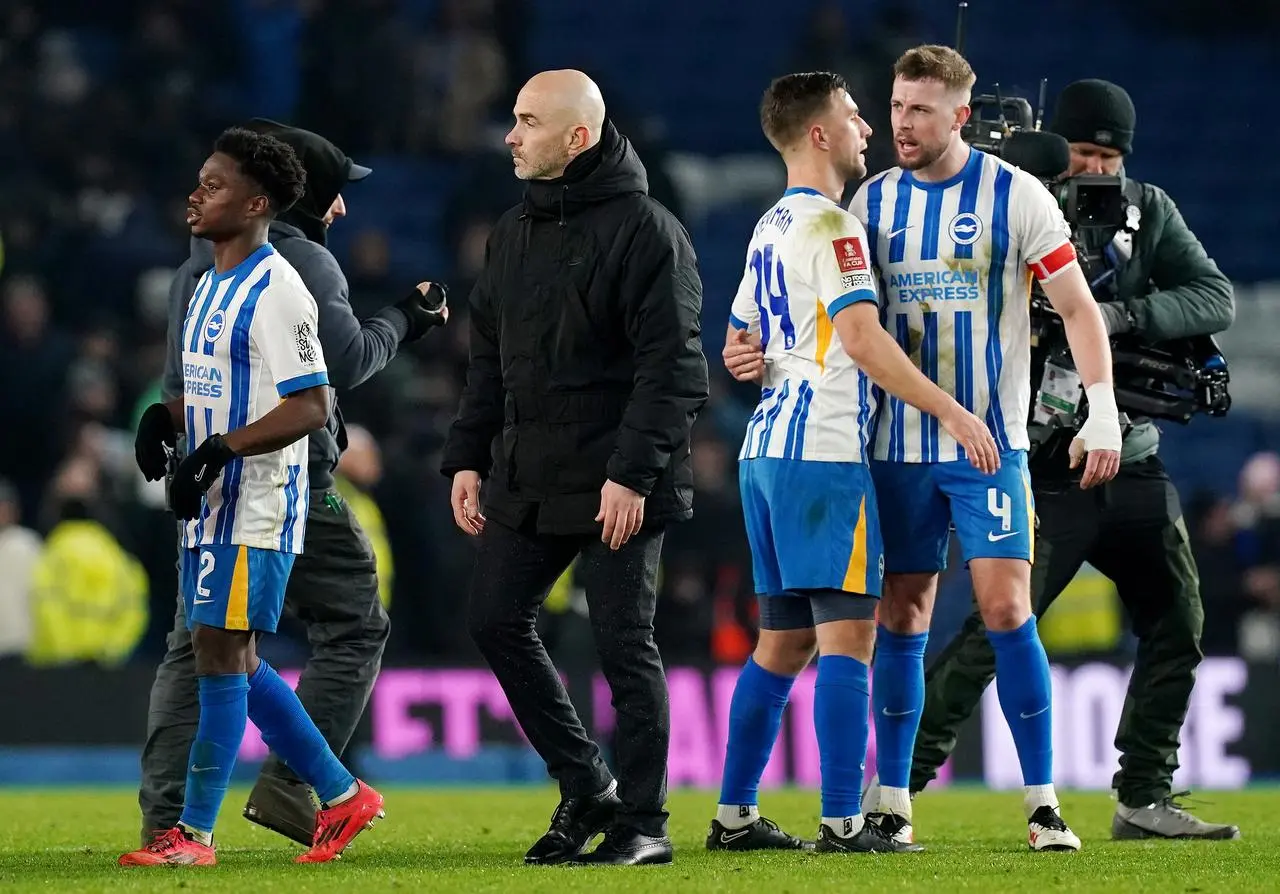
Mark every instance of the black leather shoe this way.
pixel 627 847
pixel 575 822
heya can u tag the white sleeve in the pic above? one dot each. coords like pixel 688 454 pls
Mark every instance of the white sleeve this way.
pixel 1042 234
pixel 745 312
pixel 841 267
pixel 284 333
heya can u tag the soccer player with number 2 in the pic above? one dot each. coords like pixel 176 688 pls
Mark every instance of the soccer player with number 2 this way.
pixel 809 302
pixel 255 385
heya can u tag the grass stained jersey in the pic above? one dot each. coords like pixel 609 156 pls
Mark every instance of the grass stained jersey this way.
pixel 808 259
pixel 955 260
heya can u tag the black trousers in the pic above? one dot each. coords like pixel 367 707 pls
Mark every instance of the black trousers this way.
pixel 333 590
pixel 514 570
pixel 1132 531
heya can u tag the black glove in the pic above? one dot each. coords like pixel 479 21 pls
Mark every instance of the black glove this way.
pixel 196 474
pixel 155 432
pixel 425 307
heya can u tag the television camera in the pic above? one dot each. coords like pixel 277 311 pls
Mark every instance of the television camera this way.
pixel 1172 380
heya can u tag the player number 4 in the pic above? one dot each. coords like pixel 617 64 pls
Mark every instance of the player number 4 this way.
pixel 1000 506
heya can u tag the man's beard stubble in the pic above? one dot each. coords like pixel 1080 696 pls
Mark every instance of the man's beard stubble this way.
pixel 923 159
pixel 545 169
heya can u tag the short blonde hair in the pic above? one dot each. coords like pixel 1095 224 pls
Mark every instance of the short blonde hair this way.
pixel 932 62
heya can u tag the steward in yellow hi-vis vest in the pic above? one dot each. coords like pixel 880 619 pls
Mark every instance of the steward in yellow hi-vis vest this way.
pixel 88 597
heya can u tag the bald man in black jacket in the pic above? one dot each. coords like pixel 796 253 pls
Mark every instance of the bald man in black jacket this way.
pixel 586 375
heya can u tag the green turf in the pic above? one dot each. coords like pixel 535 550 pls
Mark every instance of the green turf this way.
pixel 473 840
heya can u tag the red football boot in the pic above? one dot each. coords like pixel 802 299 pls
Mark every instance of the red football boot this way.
pixel 172 848
pixel 337 826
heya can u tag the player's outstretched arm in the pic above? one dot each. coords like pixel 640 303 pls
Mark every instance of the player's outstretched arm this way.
pixel 295 417
pixel 356 349
pixel 873 349
pixel 1086 331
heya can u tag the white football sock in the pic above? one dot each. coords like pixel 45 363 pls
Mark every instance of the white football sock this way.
pixel 843 826
pixel 737 816
pixel 1036 796
pixel 896 801
pixel 345 796
pixel 205 838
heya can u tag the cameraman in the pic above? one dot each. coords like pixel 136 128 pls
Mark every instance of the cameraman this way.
pixel 1131 529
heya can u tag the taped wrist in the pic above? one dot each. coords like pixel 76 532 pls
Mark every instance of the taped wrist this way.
pixel 1102 402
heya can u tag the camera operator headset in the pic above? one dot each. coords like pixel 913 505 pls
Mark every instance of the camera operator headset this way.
pixel 1156 284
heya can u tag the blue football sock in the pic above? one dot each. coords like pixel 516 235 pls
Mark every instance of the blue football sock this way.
pixel 289 731
pixel 755 716
pixel 1026 697
pixel 223 712
pixel 897 699
pixel 840 702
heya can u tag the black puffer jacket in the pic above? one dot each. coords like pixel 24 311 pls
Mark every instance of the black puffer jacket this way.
pixel 586 351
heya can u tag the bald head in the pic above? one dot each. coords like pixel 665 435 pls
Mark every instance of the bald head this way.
pixel 559 115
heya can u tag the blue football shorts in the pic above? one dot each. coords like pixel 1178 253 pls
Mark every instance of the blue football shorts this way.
pixel 234 587
pixel 812 526
pixel 994 515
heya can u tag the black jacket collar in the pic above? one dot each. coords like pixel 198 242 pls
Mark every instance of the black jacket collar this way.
pixel 608 169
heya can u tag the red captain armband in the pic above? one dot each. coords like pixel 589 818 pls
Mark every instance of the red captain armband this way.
pixel 1054 262
pixel 849 254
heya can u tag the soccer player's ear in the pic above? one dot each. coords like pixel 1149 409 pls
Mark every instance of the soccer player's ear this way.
pixel 259 205
pixel 815 136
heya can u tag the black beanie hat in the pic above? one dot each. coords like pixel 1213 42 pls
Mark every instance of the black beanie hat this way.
pixel 1095 111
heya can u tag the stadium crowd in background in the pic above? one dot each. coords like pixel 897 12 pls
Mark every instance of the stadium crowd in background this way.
pixel 106 109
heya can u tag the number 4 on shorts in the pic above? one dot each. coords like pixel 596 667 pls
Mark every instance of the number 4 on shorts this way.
pixel 1001 507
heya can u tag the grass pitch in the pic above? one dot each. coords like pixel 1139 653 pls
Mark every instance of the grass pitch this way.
pixel 473 840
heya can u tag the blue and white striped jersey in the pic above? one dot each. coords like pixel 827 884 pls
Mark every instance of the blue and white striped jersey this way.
pixel 955 261
pixel 807 261
pixel 248 341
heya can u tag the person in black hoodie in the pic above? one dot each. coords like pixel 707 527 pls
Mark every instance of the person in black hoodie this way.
pixel 586 374
pixel 334 586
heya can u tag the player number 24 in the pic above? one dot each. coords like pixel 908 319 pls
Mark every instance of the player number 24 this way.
pixel 768 270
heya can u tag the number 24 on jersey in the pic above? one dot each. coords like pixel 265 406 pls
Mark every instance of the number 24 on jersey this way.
pixel 769 274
